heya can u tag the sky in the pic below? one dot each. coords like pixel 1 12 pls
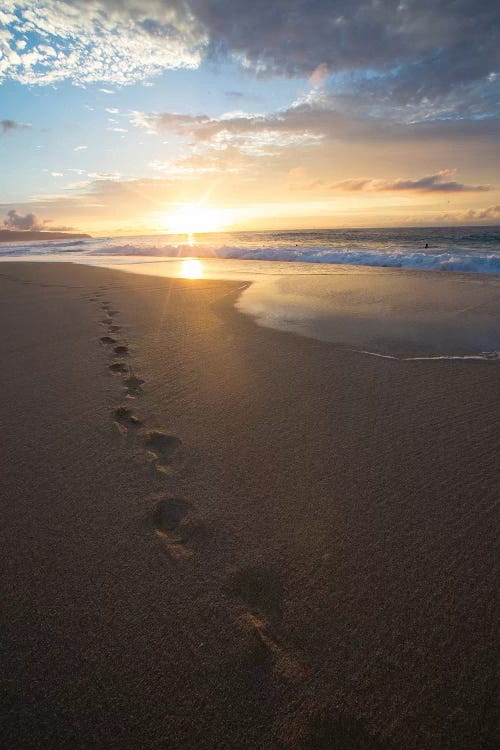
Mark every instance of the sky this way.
pixel 155 116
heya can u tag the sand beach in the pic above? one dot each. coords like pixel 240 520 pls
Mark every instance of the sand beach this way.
pixel 219 535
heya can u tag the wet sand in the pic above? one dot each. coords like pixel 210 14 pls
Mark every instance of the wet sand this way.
pixel 217 535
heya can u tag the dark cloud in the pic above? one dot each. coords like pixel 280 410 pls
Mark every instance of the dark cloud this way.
pixel 26 222
pixel 408 50
pixel 434 183
pixel 7 126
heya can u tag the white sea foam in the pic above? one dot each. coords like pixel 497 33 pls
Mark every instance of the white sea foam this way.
pixel 475 256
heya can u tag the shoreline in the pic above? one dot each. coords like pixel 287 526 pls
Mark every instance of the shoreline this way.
pixel 400 314
pixel 220 535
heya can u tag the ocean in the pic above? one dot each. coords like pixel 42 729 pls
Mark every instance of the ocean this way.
pixel 462 249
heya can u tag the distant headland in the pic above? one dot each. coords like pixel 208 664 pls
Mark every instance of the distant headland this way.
pixel 8 235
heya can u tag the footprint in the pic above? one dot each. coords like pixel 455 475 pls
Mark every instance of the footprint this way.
pixel 324 728
pixel 120 349
pixel 118 367
pixel 107 340
pixel 125 416
pixel 112 313
pixel 177 526
pixel 161 443
pixel 114 329
pixel 264 650
pixel 169 512
pixel 133 386
pixel 259 588
pixel 162 448
pixel 262 591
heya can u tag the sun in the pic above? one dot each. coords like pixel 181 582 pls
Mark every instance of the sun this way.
pixel 194 218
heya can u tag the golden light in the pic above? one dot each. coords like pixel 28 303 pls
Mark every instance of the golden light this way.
pixel 194 218
pixel 191 269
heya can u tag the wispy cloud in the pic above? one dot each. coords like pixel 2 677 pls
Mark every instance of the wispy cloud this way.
pixel 434 183
pixel 252 134
pixel 8 126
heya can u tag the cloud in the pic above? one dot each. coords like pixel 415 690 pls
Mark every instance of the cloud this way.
pixel 433 57
pixel 486 214
pixel 97 40
pixel 319 76
pixel 252 134
pixel 80 148
pixel 413 50
pixel 434 183
pixel 104 175
pixel 30 222
pixel 8 126
pixel 27 222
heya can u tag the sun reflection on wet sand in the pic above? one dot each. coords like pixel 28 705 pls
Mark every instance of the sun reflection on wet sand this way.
pixel 192 268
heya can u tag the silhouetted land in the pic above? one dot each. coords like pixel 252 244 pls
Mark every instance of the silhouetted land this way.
pixel 8 235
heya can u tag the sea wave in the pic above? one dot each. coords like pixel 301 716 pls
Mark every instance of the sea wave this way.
pixel 459 259
pixel 432 260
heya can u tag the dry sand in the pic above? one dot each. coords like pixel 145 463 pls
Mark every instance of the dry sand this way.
pixel 224 536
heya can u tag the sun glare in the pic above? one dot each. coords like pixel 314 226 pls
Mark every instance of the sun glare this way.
pixel 191 269
pixel 193 218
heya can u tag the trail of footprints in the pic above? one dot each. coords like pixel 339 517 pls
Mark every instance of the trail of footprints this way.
pixel 258 591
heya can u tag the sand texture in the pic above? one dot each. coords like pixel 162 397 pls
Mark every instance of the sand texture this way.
pixel 217 535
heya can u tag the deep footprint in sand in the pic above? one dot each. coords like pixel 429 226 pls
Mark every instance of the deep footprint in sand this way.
pixel 260 589
pixel 121 349
pixel 120 367
pixel 163 447
pixel 124 415
pixel 133 386
pixel 177 526
pixel 107 340
pixel 169 512
pixel 114 328
pixel 324 727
